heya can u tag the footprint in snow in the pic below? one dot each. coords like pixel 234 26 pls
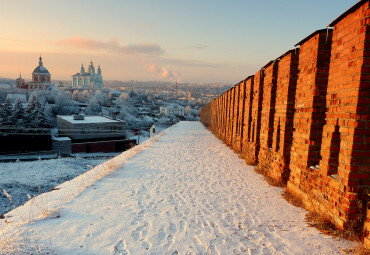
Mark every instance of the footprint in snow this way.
pixel 146 245
pixel 162 233
pixel 173 227
pixel 120 249
pixel 182 226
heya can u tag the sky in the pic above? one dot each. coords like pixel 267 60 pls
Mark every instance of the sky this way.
pixel 166 40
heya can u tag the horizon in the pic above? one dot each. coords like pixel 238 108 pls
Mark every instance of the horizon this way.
pixel 188 42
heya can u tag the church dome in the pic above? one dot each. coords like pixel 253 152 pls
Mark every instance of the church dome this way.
pixel 40 69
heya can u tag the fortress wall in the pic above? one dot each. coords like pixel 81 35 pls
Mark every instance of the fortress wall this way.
pixel 267 115
pixel 304 119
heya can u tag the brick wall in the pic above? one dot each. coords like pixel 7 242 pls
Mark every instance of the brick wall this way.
pixel 345 148
pixel 252 150
pixel 234 133
pixel 309 114
pixel 367 226
pixel 284 115
pixel 305 119
pixel 237 144
pixel 247 123
pixel 267 115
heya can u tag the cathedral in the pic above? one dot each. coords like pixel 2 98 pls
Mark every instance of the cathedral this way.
pixel 89 79
pixel 40 79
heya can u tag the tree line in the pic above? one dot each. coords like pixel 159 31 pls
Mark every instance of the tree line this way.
pixel 17 119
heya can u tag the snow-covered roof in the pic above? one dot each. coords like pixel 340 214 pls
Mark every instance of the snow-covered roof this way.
pixel 41 69
pixel 174 105
pixel 61 138
pixel 88 119
pixel 52 88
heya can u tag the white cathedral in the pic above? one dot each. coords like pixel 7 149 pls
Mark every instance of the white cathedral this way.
pixel 89 79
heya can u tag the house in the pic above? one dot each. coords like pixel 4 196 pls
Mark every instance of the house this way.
pixel 156 128
pixel 171 110
pixel 82 128
pixel 91 134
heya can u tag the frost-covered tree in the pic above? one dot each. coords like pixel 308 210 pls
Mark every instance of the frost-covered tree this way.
pixel 35 115
pixel 84 96
pixel 110 96
pixel 17 116
pixel 6 113
pixel 93 107
pixel 64 104
pixel 147 121
pixel 41 121
pixel 75 95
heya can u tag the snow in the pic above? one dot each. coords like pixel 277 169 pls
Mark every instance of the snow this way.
pixel 43 69
pixel 161 126
pixel 55 138
pixel 88 119
pixel 20 178
pixel 182 192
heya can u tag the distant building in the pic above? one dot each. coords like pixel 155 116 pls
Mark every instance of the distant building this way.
pixel 156 128
pixel 89 79
pixel 91 134
pixel 79 127
pixel 171 110
pixel 40 79
pixel 20 83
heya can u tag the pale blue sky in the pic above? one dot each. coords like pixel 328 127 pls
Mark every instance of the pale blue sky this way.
pixel 193 41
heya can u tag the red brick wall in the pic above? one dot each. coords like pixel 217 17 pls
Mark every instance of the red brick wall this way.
pixel 345 146
pixel 230 108
pixel 284 115
pixel 367 227
pixel 267 115
pixel 247 123
pixel 252 151
pixel 238 117
pixel 235 116
pixel 317 122
pixel 240 126
pixel 309 117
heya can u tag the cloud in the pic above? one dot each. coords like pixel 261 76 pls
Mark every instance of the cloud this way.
pixel 112 46
pixel 190 63
pixel 163 72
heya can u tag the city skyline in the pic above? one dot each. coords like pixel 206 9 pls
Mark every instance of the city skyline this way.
pixel 208 41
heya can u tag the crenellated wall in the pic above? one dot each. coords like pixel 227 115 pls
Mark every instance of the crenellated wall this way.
pixel 304 119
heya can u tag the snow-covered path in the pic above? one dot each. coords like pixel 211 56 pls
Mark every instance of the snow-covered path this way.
pixel 187 193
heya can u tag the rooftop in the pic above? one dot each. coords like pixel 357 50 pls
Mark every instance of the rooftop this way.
pixel 88 119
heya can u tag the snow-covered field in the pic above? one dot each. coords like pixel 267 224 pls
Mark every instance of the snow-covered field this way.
pixel 23 178
pixel 182 193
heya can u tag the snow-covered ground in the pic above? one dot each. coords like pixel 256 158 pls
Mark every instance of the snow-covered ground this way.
pixel 22 178
pixel 181 193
